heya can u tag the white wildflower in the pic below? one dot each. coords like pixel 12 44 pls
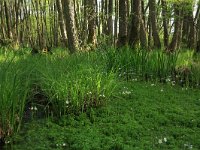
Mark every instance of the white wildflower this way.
pixel 134 79
pixel 168 80
pixel 64 144
pixel 102 95
pixel 165 139
pixel 160 141
pixel 33 108
pixel 89 93
pixel 161 90
pixel 67 102
pixel 152 84
pixel 126 92
pixel 173 83
pixel 7 142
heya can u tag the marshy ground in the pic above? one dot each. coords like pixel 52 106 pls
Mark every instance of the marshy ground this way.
pixel 93 105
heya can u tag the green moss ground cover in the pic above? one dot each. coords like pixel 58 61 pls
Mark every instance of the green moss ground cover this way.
pixel 109 100
pixel 140 116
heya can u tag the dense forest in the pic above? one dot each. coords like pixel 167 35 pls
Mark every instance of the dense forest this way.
pixel 99 74
pixel 83 25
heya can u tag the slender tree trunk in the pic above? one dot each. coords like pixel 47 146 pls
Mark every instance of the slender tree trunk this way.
pixel 61 22
pixel 3 30
pixel 8 22
pixel 92 22
pixel 135 23
pixel 143 34
pixel 68 8
pixel 177 29
pixel 110 21
pixel 122 38
pixel 116 22
pixel 165 23
pixel 198 29
pixel 152 13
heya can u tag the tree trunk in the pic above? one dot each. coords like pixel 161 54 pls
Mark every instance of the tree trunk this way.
pixel 135 23
pixel 116 22
pixel 110 21
pixel 8 23
pixel 165 23
pixel 91 22
pixel 143 34
pixel 152 13
pixel 122 37
pixel 61 22
pixel 68 8
pixel 177 29
pixel 198 29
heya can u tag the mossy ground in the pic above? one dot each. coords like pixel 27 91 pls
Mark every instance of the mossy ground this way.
pixel 140 115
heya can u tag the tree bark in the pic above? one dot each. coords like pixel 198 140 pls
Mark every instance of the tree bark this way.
pixel 152 13
pixel 198 29
pixel 8 22
pixel 135 23
pixel 165 23
pixel 177 29
pixel 110 21
pixel 91 22
pixel 61 22
pixel 68 8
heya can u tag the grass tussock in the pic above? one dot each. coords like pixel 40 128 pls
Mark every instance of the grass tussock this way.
pixel 63 86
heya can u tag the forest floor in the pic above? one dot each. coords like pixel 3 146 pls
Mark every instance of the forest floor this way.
pixel 141 115
pixel 134 114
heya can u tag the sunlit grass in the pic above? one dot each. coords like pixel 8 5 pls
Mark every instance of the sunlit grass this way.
pixel 60 84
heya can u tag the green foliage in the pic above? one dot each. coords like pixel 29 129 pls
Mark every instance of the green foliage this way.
pixel 131 64
pixel 74 84
pixel 14 88
pixel 85 93
pixel 176 68
pixel 147 118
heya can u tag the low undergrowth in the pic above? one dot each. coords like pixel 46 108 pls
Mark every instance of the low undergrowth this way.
pixel 84 85
pixel 140 116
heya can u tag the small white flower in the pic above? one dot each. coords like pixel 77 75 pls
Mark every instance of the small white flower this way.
pixel 126 92
pixel 190 147
pixel 168 80
pixel 134 79
pixel 160 141
pixel 102 95
pixel 33 108
pixel 173 83
pixel 89 93
pixel 165 139
pixel 64 144
pixel 7 142
pixel 152 84
pixel 161 90
pixel 67 102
